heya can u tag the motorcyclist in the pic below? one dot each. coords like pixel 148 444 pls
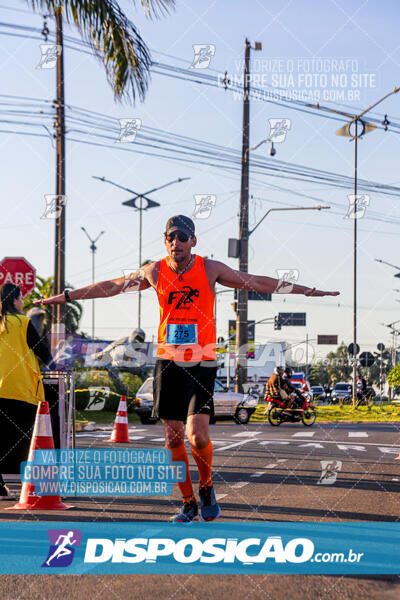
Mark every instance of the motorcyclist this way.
pixel 287 375
pixel 277 389
pixel 361 386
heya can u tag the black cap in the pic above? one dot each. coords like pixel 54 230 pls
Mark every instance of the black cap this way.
pixel 180 223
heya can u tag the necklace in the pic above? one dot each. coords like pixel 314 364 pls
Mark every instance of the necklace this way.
pixel 180 272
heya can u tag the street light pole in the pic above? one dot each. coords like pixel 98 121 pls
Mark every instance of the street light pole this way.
pixel 354 399
pixel 345 131
pixel 93 249
pixel 140 207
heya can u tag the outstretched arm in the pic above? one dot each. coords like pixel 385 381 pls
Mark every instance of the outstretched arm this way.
pixel 259 283
pixel 104 289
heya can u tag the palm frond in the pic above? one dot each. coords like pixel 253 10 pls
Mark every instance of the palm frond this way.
pixel 113 38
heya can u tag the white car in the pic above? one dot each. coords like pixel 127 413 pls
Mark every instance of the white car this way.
pixel 227 404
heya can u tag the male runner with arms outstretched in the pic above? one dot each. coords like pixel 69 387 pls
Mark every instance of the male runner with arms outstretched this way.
pixel 186 357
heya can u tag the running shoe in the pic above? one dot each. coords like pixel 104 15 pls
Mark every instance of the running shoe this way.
pixel 189 513
pixel 210 509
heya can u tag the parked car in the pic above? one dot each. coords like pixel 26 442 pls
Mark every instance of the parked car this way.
pixel 318 393
pixel 340 391
pixel 227 404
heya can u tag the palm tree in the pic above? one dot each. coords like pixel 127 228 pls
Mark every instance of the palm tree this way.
pixel 44 289
pixel 113 38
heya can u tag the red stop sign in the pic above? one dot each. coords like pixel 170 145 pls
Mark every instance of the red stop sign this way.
pixel 18 271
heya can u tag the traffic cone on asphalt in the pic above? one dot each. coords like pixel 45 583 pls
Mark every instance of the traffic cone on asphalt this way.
pixel 120 433
pixel 42 439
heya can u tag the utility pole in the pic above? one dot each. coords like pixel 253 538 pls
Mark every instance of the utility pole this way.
pixel 242 295
pixel 58 310
pixel 93 249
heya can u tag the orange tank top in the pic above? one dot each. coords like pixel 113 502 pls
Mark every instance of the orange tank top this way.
pixel 187 325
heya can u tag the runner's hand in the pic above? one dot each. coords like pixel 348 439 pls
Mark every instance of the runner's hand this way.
pixel 315 292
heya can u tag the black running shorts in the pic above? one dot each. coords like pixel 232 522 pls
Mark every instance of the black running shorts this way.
pixel 181 390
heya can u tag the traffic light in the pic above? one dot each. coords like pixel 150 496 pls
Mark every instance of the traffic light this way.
pixel 277 324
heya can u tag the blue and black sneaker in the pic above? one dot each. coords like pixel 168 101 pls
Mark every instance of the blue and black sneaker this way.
pixel 189 513
pixel 209 506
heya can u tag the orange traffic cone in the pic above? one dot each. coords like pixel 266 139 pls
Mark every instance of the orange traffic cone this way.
pixel 42 439
pixel 120 433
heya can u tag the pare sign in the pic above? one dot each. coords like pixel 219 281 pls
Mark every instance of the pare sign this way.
pixel 19 271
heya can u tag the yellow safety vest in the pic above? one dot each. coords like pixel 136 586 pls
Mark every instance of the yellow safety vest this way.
pixel 20 377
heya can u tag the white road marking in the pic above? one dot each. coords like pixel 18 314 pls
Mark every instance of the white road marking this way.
pixel 314 444
pixel 304 434
pixel 237 485
pixel 395 479
pixel 348 447
pixel 246 434
pixel 158 440
pixel 257 474
pixel 220 496
pixel 272 442
pixel 281 441
pixel 389 450
pixel 282 459
pixel 232 445
pixel 271 466
pixel 357 434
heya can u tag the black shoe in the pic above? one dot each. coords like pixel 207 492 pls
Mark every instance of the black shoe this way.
pixel 189 513
pixel 210 509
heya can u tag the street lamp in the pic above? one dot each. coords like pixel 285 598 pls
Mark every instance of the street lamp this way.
pixel 140 207
pixel 345 131
pixel 93 249
pixel 235 251
pixel 390 265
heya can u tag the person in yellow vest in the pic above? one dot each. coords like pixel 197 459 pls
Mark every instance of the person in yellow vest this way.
pixel 21 386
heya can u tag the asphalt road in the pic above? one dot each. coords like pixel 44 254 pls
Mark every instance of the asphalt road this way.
pixel 329 472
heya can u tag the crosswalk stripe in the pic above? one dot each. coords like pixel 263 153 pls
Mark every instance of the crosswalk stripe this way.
pixel 357 434
pixel 389 450
pixel 258 474
pixel 239 484
pixel 233 445
pixel 304 434
pixel 271 466
pixel 264 443
pixel 311 444
pixel 247 434
pixel 220 496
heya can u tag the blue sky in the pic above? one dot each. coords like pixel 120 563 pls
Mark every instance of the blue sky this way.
pixel 318 244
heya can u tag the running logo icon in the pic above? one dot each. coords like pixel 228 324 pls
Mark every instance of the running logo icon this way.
pixel 203 54
pixel 187 295
pixel 62 547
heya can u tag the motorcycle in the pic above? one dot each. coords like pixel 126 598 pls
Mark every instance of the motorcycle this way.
pixel 278 413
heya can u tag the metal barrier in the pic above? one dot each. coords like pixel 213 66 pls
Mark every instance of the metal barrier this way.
pixel 59 390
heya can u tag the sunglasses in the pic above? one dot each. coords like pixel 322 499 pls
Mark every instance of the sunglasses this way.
pixel 182 237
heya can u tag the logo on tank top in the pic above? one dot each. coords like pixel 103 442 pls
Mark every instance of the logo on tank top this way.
pixel 185 295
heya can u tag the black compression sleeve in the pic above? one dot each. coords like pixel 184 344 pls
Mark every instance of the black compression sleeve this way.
pixel 38 345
